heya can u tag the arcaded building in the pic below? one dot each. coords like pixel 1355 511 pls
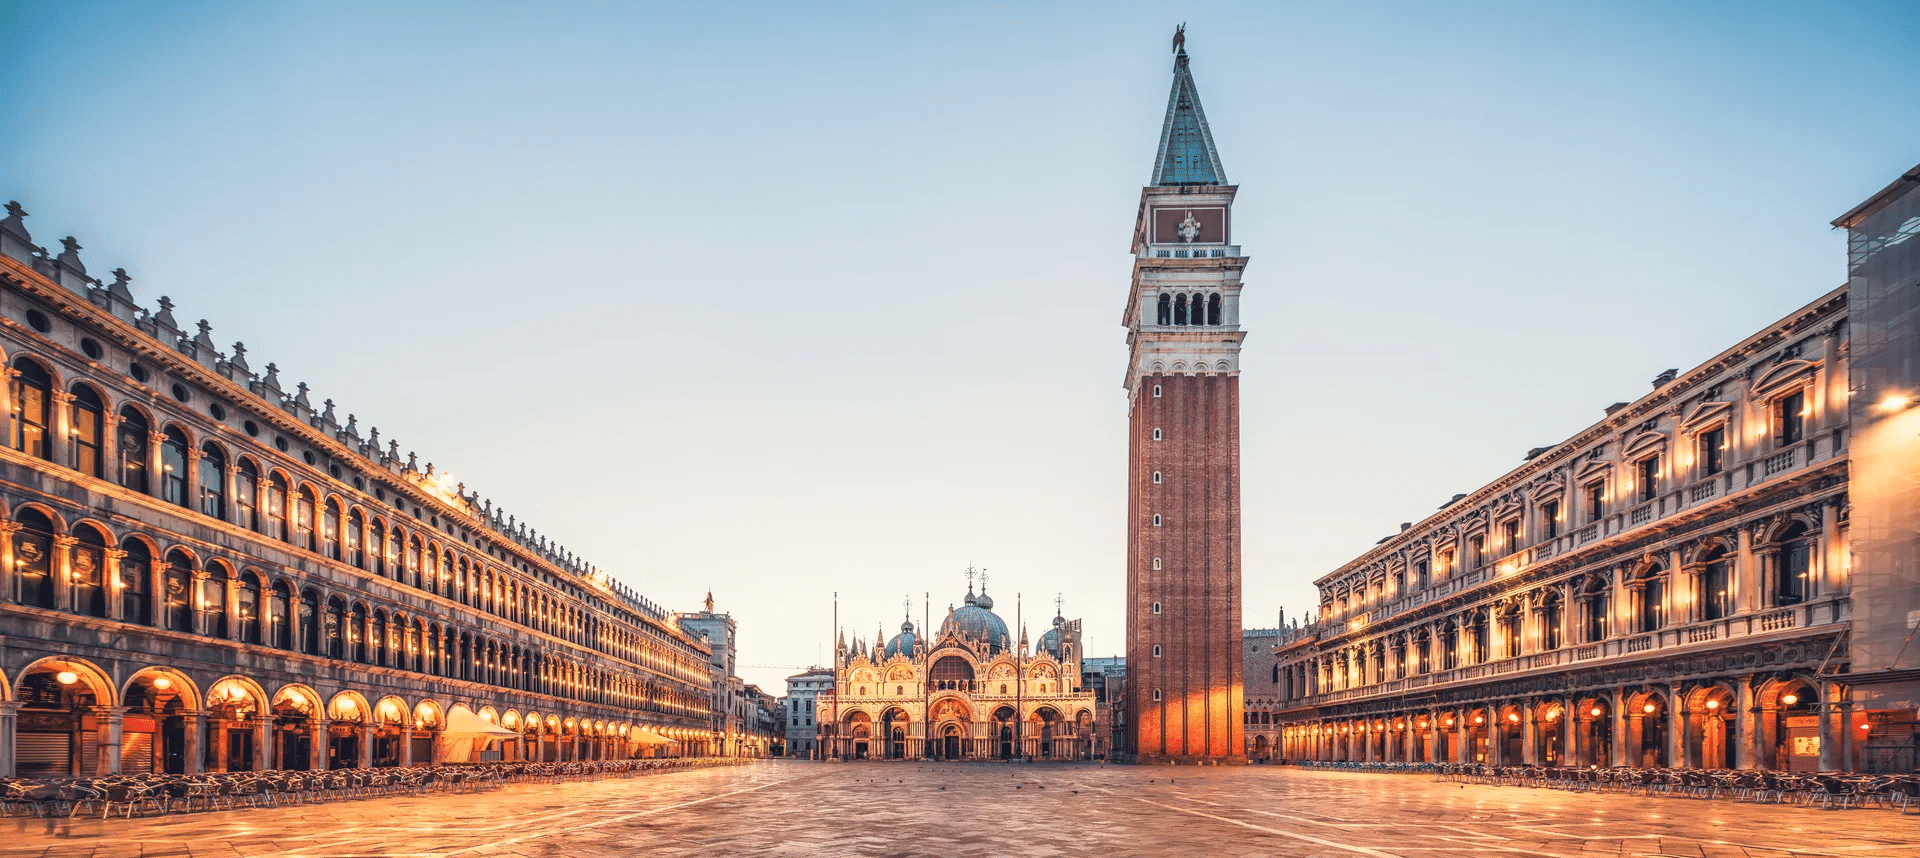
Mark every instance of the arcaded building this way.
pixel 1687 582
pixel 203 571
pixel 971 692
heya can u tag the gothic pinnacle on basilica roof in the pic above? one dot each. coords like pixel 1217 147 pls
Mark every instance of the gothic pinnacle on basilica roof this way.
pixel 1187 155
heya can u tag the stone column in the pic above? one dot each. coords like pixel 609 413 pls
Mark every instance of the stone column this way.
pixel 1682 751
pixel 110 445
pixel 1747 576
pixel 110 720
pixel 317 752
pixel 196 743
pixel 156 478
pixel 9 711
pixel 1621 727
pixel 59 429
pixel 196 583
pixel 406 746
pixel 262 733
pixel 1746 727
pixel 1832 553
pixel 1529 742
pixel 366 746
pixel 61 564
pixel 1849 734
pixel 1569 731
pixel 1829 742
pixel 8 585
pixel 1463 749
pixel 110 583
pixel 233 606
pixel 6 419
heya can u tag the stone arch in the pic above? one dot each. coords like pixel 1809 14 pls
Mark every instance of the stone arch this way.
pixel 349 705
pixel 429 714
pixel 392 709
pixel 97 680
pixel 167 679
pixel 227 686
pixel 299 696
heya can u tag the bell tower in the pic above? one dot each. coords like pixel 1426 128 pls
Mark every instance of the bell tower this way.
pixel 1184 695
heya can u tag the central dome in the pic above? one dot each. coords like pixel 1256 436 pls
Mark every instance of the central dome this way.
pixel 902 643
pixel 976 620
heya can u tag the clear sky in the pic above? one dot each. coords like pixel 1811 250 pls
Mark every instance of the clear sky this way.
pixel 790 299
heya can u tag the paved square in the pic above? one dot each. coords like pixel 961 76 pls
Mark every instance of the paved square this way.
pixel 784 808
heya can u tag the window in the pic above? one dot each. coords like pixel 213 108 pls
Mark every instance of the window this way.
pixel 1156 519
pixel 33 558
pixel 1713 451
pixel 87 573
pixel 277 508
pixel 1476 551
pixel 173 468
pixel 213 482
pixel 1165 315
pixel 86 421
pixel 330 531
pixel 135 585
pixel 246 488
pixel 1716 598
pixel 1156 694
pixel 1550 625
pixel 1790 415
pixel 1647 477
pixel 1156 434
pixel 1594 610
pixel 1791 563
pixel 303 520
pixel 39 321
pixel 1510 535
pixel 1213 309
pixel 133 440
pixel 1550 518
pixel 1653 602
pixel 1156 476
pixel 1421 574
pixel 355 524
pixel 1156 607
pixel 32 391
pixel 1180 309
pixel 1596 500
pixel 1156 563
pixel 1156 391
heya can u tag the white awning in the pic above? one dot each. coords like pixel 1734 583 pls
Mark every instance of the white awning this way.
pixel 461 722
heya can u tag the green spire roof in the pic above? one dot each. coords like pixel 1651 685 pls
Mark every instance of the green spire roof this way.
pixel 1187 156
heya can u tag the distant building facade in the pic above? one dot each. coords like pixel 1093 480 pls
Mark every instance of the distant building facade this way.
pixel 1261 679
pixel 969 693
pixel 803 694
pixel 1719 574
pixel 735 713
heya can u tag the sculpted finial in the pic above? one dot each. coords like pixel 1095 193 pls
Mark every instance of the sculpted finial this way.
pixel 1180 38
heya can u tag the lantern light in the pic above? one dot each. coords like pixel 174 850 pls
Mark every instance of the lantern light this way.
pixel 1713 704
pixel 1477 719
pixel 1649 708
pixel 1513 717
pixel 66 677
pixel 162 683
pixel 1595 712
pixel 1790 699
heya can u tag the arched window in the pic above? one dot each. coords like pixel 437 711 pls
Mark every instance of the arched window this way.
pixel 444 586
pixel 133 438
pixel 330 531
pixel 277 508
pixel 413 562
pixel 280 617
pixel 382 552
pixel 1165 316
pixel 213 481
pixel 173 468
pixel 357 633
pixel 1180 309
pixel 1652 610
pixel 1716 596
pixel 1792 562
pixel 33 558
pixel 212 603
pixel 377 639
pixel 303 507
pixel 178 598
pixel 246 495
pixel 136 582
pixel 1595 606
pixel 87 423
pixel 1213 309
pixel 89 568
pixel 249 608
pixel 32 390
pixel 335 631
pixel 1550 623
pixel 355 526
pixel 310 622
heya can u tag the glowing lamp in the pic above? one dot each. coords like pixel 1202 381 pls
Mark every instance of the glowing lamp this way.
pixel 1790 699
pixel 1648 708
pixel 1514 717
pixel 66 677
pixel 1895 402
pixel 1595 712
pixel 1713 704
pixel 162 683
pixel 347 706
pixel 1479 720
pixel 1449 721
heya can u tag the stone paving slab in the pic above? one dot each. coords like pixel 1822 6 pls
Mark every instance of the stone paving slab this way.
pixel 895 810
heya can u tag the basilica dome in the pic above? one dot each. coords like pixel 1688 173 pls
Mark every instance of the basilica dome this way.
pixel 902 643
pixel 976 620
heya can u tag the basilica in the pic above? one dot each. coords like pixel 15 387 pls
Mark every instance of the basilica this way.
pixel 967 693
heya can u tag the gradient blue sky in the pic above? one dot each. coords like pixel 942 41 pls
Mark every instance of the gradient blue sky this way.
pixel 785 299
